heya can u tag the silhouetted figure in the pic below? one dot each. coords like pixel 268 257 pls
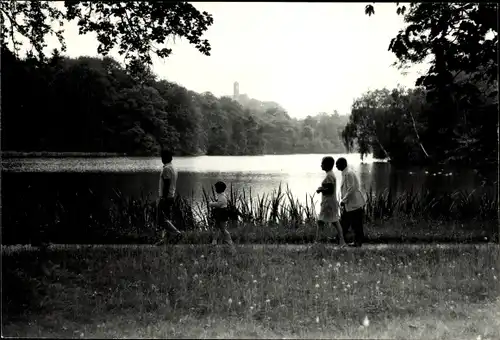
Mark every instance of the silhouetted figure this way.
pixel 352 202
pixel 329 205
pixel 221 216
pixel 168 182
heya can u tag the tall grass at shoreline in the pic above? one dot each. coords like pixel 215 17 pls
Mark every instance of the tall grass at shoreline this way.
pixel 134 218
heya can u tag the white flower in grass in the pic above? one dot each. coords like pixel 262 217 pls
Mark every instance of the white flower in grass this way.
pixel 239 303
pixel 330 265
pixel 494 277
pixel 324 282
pixel 316 276
pixel 202 256
pixel 195 276
pixel 230 301
pixel 181 264
pixel 408 277
pixel 378 264
pixel 251 307
pixel 366 322
pixel 338 264
pixel 317 319
pixel 317 285
pixel 195 262
pixel 268 301
pixel 355 281
pixel 276 279
pixel 478 337
pixel 254 281
pixel 334 287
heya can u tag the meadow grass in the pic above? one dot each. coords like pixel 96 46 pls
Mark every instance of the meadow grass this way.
pixel 317 291
pixel 279 217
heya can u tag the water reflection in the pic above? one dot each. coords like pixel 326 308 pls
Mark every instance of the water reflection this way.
pixel 68 178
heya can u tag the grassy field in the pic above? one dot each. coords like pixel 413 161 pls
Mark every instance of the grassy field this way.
pixel 319 291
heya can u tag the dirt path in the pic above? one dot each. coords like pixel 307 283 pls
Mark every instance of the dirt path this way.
pixel 291 247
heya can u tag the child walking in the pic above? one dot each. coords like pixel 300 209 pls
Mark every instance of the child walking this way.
pixel 220 213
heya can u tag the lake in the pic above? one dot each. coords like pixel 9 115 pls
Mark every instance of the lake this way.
pixel 45 179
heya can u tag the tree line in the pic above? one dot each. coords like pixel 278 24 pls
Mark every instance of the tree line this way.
pixel 92 104
pixel 52 103
pixel 452 114
pixel 410 126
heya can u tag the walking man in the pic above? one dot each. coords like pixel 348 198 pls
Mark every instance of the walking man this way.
pixel 168 182
pixel 352 202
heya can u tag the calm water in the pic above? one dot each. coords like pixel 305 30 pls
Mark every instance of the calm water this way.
pixel 46 179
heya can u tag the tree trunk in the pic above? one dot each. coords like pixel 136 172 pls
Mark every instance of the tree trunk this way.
pixel 418 136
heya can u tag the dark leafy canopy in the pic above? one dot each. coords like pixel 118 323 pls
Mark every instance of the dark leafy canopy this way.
pixel 457 118
pixel 139 29
pixel 456 37
pixel 400 125
pixel 93 105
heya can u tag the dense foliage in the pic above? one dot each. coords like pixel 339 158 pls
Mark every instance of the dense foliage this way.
pixel 138 29
pixel 94 105
pixel 400 125
pixel 452 116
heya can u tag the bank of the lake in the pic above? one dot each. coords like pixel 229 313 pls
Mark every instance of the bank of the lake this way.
pixel 410 217
pixel 112 200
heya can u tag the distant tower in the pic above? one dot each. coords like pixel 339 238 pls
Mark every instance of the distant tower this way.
pixel 236 90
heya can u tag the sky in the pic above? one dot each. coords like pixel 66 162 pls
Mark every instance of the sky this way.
pixel 308 57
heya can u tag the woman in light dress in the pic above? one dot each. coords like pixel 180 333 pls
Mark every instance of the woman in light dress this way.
pixel 329 213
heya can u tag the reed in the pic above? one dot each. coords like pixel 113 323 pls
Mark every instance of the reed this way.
pixel 134 219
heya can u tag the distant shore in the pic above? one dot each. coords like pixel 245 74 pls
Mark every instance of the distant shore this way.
pixel 31 154
pixel 51 154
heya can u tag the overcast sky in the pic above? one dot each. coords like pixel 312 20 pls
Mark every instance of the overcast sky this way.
pixel 309 57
